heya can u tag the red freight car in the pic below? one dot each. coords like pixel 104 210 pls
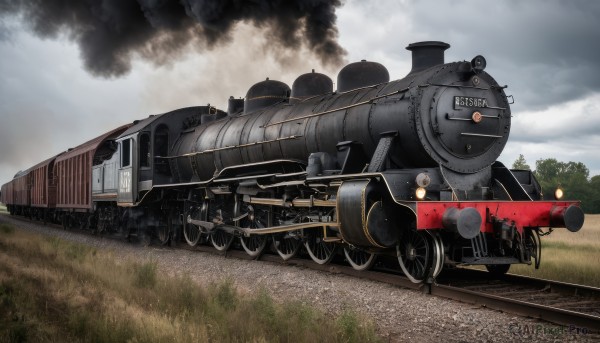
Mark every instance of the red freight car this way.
pixel 43 189
pixel 7 196
pixel 21 198
pixel 73 171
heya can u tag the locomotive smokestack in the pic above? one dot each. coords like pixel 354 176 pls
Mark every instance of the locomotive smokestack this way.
pixel 426 55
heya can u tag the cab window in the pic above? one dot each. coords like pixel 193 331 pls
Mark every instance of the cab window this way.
pixel 126 153
pixel 145 150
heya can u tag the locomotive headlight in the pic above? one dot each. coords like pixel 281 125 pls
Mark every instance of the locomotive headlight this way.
pixel 558 193
pixel 420 193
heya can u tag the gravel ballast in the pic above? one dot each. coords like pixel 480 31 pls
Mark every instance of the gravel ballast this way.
pixel 400 315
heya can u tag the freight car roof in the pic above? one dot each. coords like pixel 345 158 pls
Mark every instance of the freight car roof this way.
pixel 20 173
pixel 92 144
pixel 43 163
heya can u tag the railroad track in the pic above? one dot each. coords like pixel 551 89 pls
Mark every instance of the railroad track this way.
pixel 576 307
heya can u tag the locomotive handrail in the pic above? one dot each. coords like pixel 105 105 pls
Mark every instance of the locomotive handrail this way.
pixel 463 86
pixel 230 147
pixel 340 93
pixel 455 86
pixel 479 135
pixel 449 117
pixel 339 108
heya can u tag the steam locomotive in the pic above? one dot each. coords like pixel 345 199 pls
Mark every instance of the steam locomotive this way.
pixel 403 168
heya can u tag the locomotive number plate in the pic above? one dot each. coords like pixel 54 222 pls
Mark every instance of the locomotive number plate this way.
pixel 468 101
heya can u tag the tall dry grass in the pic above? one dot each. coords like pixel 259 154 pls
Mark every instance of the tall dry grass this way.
pixel 53 290
pixel 569 257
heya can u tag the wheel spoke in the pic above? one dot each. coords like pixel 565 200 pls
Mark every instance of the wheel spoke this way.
pixel 166 227
pixel 257 218
pixel 320 251
pixel 414 255
pixel 359 259
pixel 191 234
pixel 221 240
pixel 287 245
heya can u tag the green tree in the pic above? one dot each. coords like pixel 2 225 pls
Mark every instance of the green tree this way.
pixel 595 194
pixel 520 163
pixel 572 177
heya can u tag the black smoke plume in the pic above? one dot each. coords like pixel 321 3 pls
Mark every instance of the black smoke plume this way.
pixel 111 32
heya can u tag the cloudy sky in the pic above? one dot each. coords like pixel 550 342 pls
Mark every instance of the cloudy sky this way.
pixel 547 52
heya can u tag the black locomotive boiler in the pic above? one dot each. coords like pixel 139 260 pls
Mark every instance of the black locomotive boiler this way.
pixel 378 167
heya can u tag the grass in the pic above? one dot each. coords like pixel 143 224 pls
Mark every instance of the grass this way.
pixel 569 257
pixel 54 290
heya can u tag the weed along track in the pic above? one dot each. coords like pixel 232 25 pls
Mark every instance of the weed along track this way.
pixel 398 312
pixel 52 289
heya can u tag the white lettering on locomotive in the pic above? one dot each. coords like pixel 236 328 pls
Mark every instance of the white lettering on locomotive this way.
pixel 125 182
pixel 467 101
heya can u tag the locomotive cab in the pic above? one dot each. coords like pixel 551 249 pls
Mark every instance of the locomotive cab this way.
pixel 145 147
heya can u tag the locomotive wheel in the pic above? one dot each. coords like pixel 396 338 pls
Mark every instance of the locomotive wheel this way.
pixel 497 269
pixel 414 255
pixel 287 245
pixel 163 230
pixel 254 245
pixel 320 251
pixel 221 240
pixel 534 244
pixel 438 252
pixel 163 233
pixel 191 232
pixel 359 259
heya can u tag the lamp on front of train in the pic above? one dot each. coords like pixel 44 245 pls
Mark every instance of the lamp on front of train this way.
pixel 422 180
pixel 558 193
pixel 420 193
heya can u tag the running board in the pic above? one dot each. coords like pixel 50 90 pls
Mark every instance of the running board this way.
pixel 310 202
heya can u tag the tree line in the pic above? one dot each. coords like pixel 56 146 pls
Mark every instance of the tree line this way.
pixel 572 177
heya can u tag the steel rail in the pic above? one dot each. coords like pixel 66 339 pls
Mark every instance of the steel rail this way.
pixel 523 308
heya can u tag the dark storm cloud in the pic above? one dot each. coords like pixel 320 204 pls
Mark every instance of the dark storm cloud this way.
pixel 111 32
pixel 546 51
